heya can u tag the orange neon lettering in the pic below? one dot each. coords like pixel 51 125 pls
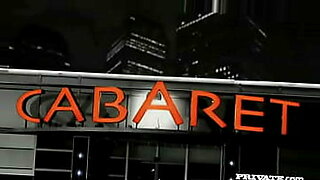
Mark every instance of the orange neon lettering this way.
pixel 65 92
pixel 159 87
pixel 209 110
pixel 116 104
pixel 22 102
pixel 239 112
pixel 284 117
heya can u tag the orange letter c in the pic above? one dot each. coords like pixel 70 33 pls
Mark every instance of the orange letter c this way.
pixel 21 104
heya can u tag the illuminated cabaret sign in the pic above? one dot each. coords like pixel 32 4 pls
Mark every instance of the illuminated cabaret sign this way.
pixel 265 177
pixel 65 93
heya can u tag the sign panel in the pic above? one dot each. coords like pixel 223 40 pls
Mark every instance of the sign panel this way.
pixel 168 105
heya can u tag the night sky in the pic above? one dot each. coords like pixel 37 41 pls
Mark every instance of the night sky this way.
pixel 89 27
pixel 290 53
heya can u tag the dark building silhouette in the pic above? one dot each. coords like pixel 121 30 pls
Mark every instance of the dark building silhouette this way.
pixel 142 50
pixel 246 39
pixel 37 47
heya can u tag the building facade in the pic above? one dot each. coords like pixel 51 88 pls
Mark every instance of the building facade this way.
pixel 72 125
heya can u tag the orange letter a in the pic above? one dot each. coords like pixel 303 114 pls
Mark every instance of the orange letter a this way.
pixel 65 92
pixel 159 87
